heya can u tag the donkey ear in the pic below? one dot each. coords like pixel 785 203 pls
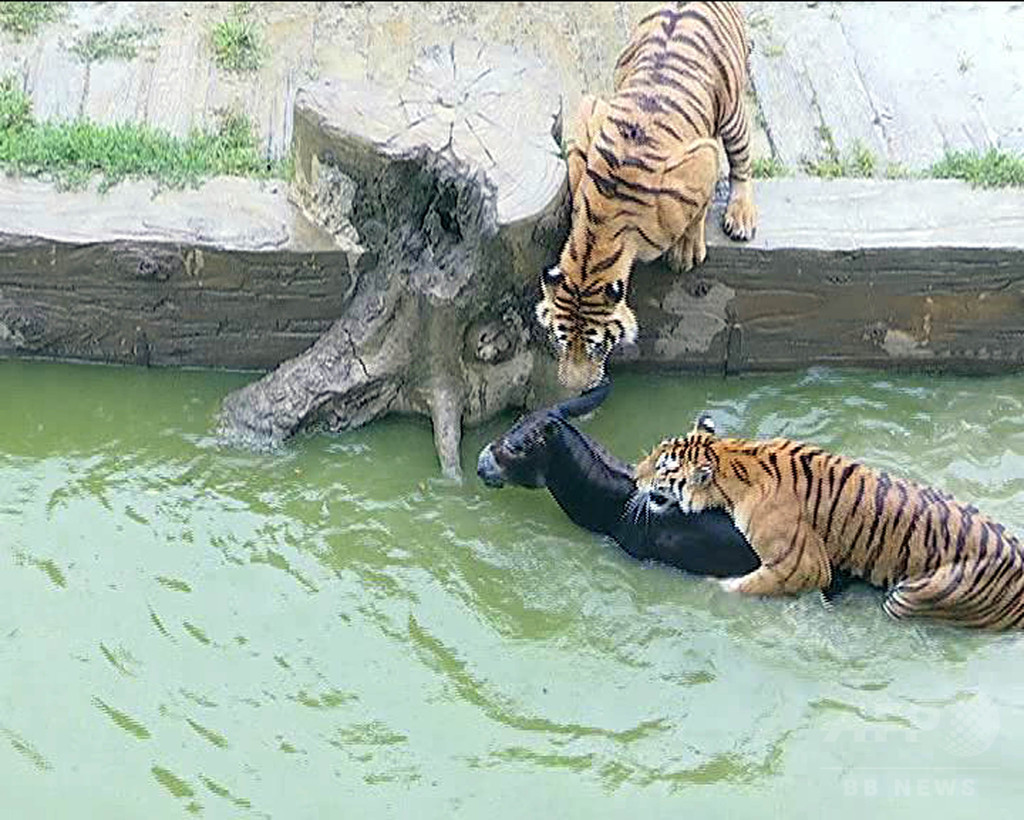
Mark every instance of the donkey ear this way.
pixel 704 424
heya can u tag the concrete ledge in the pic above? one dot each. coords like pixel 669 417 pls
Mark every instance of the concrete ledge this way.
pixel 861 214
pixel 919 274
pixel 230 275
pixel 923 274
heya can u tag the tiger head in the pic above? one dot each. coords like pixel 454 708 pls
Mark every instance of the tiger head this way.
pixel 682 471
pixel 583 308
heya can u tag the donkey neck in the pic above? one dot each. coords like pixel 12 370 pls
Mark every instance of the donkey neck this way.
pixel 589 484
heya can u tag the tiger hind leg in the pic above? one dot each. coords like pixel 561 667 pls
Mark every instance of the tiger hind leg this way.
pixel 966 594
pixel 689 179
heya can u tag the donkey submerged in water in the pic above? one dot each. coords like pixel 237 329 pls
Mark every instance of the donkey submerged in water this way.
pixel 594 489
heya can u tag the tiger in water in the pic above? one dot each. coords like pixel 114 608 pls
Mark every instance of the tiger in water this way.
pixel 642 172
pixel 808 513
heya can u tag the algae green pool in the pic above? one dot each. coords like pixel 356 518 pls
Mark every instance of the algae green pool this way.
pixel 336 631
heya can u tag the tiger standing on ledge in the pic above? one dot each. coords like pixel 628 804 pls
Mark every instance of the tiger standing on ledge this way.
pixel 642 172
pixel 808 513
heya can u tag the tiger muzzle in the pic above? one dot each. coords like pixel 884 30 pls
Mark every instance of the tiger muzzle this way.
pixel 580 374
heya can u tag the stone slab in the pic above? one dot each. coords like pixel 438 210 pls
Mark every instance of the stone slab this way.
pixel 860 214
pixel 227 212
pixel 806 79
pixel 229 275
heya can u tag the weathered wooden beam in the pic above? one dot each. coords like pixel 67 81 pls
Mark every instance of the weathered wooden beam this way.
pixel 919 274
pixel 230 275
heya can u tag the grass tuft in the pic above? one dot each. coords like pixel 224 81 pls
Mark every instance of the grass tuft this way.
pixel 862 162
pixel 858 163
pixel 15 107
pixel 237 45
pixel 769 168
pixel 896 170
pixel 71 153
pixel 24 19
pixel 993 169
pixel 121 43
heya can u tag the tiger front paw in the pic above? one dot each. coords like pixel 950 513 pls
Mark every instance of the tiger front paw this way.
pixel 740 220
pixel 689 252
pixel 733 585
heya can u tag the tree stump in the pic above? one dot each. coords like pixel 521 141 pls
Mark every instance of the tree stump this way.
pixel 447 194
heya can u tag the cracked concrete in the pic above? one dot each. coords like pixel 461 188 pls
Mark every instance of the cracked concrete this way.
pixel 905 81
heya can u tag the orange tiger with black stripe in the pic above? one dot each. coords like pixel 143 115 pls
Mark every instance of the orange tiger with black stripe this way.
pixel 808 513
pixel 642 172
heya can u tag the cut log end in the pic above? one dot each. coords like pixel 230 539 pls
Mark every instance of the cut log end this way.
pixel 438 186
pixel 490 107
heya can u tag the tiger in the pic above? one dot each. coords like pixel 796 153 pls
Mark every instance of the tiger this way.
pixel 808 513
pixel 642 168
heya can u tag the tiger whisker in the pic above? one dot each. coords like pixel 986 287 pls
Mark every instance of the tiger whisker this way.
pixel 638 508
pixel 629 509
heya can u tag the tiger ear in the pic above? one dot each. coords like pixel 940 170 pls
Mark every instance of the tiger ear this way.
pixel 702 474
pixel 551 277
pixel 704 424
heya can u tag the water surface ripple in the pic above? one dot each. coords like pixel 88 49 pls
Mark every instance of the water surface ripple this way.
pixel 334 630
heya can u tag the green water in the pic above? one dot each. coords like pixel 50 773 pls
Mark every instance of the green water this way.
pixel 334 631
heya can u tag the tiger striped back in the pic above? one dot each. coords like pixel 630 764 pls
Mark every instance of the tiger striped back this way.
pixel 808 513
pixel 642 171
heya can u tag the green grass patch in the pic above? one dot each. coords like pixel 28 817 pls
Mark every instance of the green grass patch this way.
pixel 768 168
pixel 896 170
pixel 71 153
pixel 236 41
pixel 24 19
pixel 862 162
pixel 859 162
pixel 121 43
pixel 15 107
pixel 993 169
